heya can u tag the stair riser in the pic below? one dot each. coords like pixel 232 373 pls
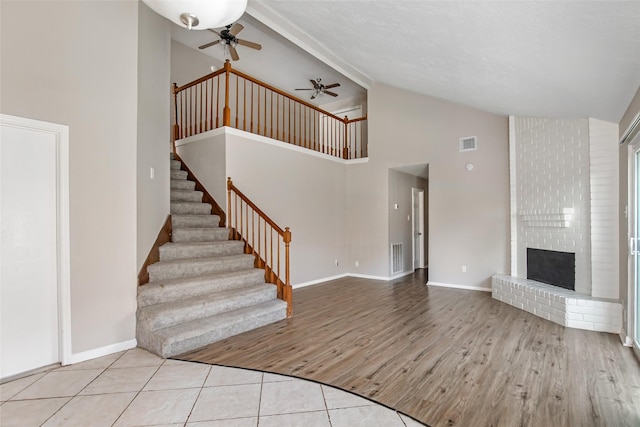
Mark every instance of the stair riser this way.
pixel 168 348
pixel 180 235
pixel 194 221
pixel 182 184
pixel 170 252
pixel 179 174
pixel 186 196
pixel 190 208
pixel 171 317
pixel 191 269
pixel 149 295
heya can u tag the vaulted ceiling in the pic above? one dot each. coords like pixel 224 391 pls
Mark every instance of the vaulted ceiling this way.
pixel 530 58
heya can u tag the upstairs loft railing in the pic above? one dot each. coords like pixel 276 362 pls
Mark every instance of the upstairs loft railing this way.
pixel 263 238
pixel 228 97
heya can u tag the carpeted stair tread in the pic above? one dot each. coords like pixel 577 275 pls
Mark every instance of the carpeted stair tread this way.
pixel 179 174
pixel 172 251
pixel 176 164
pixel 172 313
pixel 193 234
pixel 162 291
pixel 182 184
pixel 194 221
pixel 192 208
pixel 186 196
pixel 198 266
pixel 198 333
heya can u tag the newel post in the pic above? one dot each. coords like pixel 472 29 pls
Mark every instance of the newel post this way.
pixel 345 149
pixel 287 291
pixel 226 112
pixel 176 128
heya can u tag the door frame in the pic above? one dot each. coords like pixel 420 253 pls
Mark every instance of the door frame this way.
pixel 634 240
pixel 417 223
pixel 61 133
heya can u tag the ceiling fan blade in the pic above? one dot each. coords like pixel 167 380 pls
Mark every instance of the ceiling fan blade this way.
pixel 332 86
pixel 206 45
pixel 313 97
pixel 234 53
pixel 315 84
pixel 252 45
pixel 235 29
pixel 214 31
pixel 328 92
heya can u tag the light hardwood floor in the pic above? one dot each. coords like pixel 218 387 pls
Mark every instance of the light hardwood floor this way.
pixel 445 357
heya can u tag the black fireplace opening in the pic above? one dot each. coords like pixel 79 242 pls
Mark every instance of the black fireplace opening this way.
pixel 552 267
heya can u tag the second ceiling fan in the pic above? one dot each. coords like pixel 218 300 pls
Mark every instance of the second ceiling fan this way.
pixel 320 89
pixel 230 41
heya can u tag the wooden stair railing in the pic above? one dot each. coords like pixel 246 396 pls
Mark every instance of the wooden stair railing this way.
pixel 228 97
pixel 263 238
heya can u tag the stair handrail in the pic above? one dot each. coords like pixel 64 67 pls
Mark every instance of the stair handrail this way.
pixel 198 115
pixel 242 227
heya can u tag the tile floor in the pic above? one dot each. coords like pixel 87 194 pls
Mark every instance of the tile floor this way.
pixel 136 388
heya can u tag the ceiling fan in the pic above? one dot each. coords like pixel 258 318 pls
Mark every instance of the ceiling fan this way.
pixel 230 41
pixel 320 89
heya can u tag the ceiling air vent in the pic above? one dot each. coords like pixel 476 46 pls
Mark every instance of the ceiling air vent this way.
pixel 468 143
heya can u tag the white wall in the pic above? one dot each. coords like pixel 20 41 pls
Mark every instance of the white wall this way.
pixel 75 63
pixel 603 168
pixel 188 64
pixel 468 211
pixel 154 45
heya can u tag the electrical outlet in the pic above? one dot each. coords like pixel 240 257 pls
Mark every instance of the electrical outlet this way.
pixel 336 262
pixel 152 173
pixel 357 263
pixel 464 268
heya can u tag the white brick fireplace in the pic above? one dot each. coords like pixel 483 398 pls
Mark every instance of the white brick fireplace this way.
pixel 564 198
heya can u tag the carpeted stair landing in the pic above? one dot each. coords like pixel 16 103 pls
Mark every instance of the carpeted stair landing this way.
pixel 204 288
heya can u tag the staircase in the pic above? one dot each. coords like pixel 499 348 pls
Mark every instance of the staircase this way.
pixel 204 288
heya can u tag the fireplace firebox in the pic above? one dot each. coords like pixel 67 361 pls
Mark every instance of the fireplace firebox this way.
pixel 552 267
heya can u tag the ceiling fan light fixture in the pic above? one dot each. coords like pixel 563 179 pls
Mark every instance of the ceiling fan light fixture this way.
pixel 199 14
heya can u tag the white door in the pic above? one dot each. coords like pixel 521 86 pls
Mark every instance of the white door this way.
pixel 417 225
pixel 29 318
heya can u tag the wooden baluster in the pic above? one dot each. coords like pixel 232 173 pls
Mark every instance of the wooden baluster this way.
pixel 237 100
pixel 264 133
pixel 244 105
pixel 278 118
pixel 218 102
pixel 271 114
pixel 258 128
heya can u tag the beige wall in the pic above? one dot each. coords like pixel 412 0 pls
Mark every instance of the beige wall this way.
pixel 632 110
pixel 188 64
pixel 75 63
pixel 296 190
pixel 468 211
pixel 154 45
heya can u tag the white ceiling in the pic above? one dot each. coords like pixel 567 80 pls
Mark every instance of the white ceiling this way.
pixel 528 58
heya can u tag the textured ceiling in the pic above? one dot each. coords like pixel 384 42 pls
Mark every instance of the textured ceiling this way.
pixel 548 59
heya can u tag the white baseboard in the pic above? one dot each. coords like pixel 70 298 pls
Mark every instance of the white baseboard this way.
pixel 359 276
pixel 318 281
pixel 626 340
pixel 99 352
pixel 465 287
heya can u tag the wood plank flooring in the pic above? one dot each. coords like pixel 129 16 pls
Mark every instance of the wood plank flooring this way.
pixel 445 357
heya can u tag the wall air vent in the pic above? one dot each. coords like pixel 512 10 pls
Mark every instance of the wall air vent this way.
pixel 468 143
pixel 397 258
